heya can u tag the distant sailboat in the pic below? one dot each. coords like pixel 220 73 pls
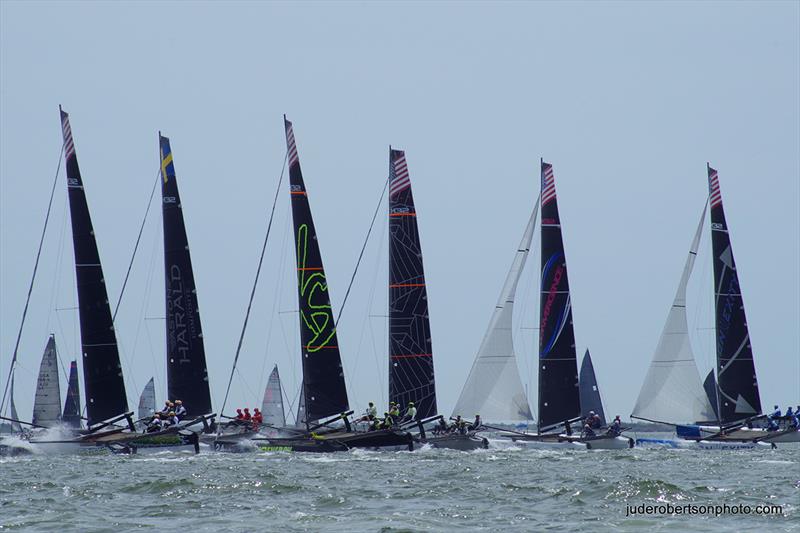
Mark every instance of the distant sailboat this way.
pixel 590 391
pixel 47 403
pixel 272 404
pixel 72 405
pixel 494 388
pixel 147 401
pixel 15 425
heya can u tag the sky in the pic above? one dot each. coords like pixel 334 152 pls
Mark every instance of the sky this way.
pixel 627 100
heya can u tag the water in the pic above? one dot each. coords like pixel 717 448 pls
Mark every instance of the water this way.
pixel 504 489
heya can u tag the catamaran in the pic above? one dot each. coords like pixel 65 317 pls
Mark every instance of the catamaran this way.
pixel 324 394
pixel 715 413
pixel 106 401
pixel 411 371
pixel 559 387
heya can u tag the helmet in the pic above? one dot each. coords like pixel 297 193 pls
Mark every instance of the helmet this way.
pixel 178 402
pixel 256 410
pixel 171 413
pixel 591 412
pixel 238 410
pixel 371 404
pixel 246 409
pixel 410 403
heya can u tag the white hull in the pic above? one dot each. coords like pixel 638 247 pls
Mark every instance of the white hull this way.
pixel 702 444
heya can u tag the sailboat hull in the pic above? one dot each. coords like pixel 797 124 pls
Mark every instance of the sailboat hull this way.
pixel 701 444
pixel 456 442
pixel 386 439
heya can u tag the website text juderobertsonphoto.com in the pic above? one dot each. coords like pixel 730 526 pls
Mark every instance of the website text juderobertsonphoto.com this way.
pixel 699 509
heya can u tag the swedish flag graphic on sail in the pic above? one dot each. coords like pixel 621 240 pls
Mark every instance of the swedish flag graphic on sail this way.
pixel 167 168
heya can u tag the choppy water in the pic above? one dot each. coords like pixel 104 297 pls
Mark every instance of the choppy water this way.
pixel 427 490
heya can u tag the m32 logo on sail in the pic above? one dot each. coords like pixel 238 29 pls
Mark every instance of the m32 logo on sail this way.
pixel 169 200
pixel 400 210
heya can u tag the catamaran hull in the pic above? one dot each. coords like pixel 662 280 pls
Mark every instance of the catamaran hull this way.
pixel 464 443
pixel 701 444
pixel 385 440
pixel 571 442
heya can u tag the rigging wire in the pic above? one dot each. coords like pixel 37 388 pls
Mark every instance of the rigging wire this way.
pixel 33 278
pixel 255 284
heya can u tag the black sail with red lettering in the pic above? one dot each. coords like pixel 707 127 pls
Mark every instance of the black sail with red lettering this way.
pixel 736 373
pixel 102 371
pixel 187 374
pixel 559 398
pixel 324 389
pixel 411 376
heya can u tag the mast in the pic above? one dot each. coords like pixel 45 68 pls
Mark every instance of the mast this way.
pixel 47 403
pixel 187 375
pixel 72 405
pixel 411 377
pixel 102 371
pixel 558 363
pixel 672 390
pixel 494 387
pixel 590 391
pixel 738 396
pixel 272 405
pixel 324 390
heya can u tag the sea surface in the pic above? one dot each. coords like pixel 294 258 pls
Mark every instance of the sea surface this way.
pixel 501 489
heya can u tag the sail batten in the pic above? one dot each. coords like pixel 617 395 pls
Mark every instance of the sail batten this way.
pixel 411 370
pixel 559 398
pixel 324 391
pixel 494 387
pixel 672 390
pixel 737 385
pixel 187 373
pixel 47 402
pixel 102 370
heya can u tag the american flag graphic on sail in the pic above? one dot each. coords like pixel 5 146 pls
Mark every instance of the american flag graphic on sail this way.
pixel 290 144
pixel 69 146
pixel 398 174
pixel 715 195
pixel 548 184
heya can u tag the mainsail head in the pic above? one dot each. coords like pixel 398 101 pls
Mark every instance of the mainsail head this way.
pixel 324 390
pixel 47 402
pixel 411 377
pixel 187 374
pixel 494 387
pixel 102 371
pixel 558 363
pixel 736 373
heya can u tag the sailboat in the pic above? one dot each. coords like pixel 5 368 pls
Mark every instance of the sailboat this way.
pixel 591 401
pixel 272 403
pixel 324 394
pixel 71 414
pixel 559 387
pixel 411 371
pixel 47 402
pixel 147 402
pixel 713 413
pixel 106 400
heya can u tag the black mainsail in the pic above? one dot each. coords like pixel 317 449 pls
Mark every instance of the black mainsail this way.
pixel 102 371
pixel 411 377
pixel 559 400
pixel 590 391
pixel 187 375
pixel 736 374
pixel 324 390
pixel 72 405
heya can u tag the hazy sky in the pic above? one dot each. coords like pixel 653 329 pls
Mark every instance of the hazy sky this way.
pixel 627 100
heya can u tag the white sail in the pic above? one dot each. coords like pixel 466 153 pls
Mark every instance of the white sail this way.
pixel 147 401
pixel 47 403
pixel 673 390
pixel 272 406
pixel 494 387
pixel 15 426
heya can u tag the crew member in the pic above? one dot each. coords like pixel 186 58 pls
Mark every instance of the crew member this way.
pixel 388 421
pixel 411 412
pixel 477 424
pixel 247 416
pixel 180 410
pixel 258 419
pixel 239 415
pixel 615 428
pixel 394 409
